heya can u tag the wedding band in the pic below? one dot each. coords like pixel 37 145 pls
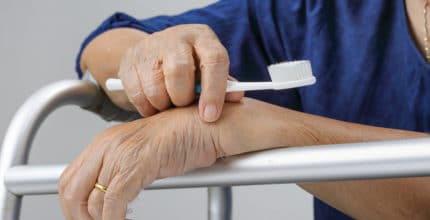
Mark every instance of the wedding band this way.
pixel 100 187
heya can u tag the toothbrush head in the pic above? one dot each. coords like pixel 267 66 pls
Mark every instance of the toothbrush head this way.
pixel 287 74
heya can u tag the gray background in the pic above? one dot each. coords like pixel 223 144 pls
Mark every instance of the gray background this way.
pixel 38 44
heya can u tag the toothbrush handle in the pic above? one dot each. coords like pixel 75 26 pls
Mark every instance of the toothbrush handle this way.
pixel 233 86
pixel 114 84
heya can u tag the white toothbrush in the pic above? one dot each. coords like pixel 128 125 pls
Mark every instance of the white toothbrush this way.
pixel 285 75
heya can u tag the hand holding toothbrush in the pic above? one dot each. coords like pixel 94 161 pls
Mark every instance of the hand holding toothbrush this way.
pixel 173 67
pixel 161 70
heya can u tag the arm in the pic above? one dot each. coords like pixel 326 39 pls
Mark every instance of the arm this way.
pixel 406 198
pixel 401 198
pixel 286 127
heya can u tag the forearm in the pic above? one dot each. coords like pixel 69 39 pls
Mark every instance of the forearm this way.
pixel 407 198
pixel 272 126
pixel 323 130
pixel 401 198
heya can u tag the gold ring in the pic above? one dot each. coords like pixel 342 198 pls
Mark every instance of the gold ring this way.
pixel 100 187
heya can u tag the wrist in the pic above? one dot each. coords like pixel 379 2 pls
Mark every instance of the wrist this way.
pixel 254 125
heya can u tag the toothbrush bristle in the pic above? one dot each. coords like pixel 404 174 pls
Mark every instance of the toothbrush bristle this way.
pixel 290 71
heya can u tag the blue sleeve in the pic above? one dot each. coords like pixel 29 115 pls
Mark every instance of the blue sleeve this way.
pixel 249 29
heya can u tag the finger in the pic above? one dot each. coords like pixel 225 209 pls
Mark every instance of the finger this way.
pixel 120 192
pixel 107 173
pixel 151 76
pixel 234 96
pixel 179 73
pixel 96 199
pixel 95 204
pixel 133 87
pixel 75 196
pixel 64 184
pixel 214 66
pixel 128 172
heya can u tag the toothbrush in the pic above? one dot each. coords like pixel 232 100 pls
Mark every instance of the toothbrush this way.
pixel 285 75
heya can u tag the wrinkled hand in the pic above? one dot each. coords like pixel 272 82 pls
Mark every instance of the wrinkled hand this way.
pixel 128 157
pixel 163 67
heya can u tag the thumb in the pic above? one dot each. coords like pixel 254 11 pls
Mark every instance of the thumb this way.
pixel 212 97
pixel 214 66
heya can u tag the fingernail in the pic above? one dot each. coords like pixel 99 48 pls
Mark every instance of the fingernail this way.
pixel 210 113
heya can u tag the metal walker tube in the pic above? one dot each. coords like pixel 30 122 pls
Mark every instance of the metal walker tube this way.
pixel 22 129
pixel 219 203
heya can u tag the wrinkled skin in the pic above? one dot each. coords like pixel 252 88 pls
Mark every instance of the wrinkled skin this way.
pixel 130 156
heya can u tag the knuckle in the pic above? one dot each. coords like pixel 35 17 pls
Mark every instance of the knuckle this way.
pixel 101 137
pixel 178 68
pixel 103 140
pixel 157 35
pixel 143 45
pixel 203 28
pixel 155 64
pixel 152 89
pixel 145 41
pixel 112 197
pixel 182 48
pixel 109 138
pixel 153 86
pixel 70 195
pixel 215 56
pixel 135 98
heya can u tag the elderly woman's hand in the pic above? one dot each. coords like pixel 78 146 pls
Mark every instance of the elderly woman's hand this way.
pixel 162 69
pixel 128 157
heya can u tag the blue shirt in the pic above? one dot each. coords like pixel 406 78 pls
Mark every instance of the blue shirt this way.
pixel 367 66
